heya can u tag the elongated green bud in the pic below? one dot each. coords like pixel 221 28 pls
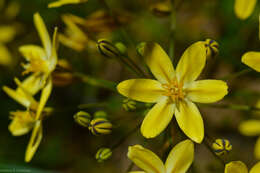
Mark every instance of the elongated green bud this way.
pixel 100 114
pixel 103 154
pixel 107 49
pixel 100 126
pixel 211 48
pixel 82 118
pixel 221 146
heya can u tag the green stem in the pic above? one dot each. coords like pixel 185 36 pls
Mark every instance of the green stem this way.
pixel 97 82
pixel 233 106
pixel 237 74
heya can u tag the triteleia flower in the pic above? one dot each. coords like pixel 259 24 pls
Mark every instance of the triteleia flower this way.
pixel 252 128
pixel 244 8
pixel 178 161
pixel 25 121
pixel 174 91
pixel 64 2
pixel 240 167
pixel 74 37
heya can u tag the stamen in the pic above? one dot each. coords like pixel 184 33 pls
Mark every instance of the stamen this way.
pixel 174 90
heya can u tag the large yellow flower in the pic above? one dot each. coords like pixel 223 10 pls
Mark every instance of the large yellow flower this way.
pixel 178 161
pixel 244 8
pixel 240 167
pixel 174 91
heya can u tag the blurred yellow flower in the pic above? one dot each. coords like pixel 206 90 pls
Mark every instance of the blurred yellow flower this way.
pixel 240 167
pixel 64 2
pixel 252 128
pixel 74 37
pixel 178 161
pixel 174 91
pixel 252 59
pixel 244 8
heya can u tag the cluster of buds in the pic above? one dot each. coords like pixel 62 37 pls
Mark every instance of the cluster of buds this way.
pixel 99 125
pixel 221 146
pixel 103 154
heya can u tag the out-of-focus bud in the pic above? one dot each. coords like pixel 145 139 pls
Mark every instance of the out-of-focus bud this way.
pixel 100 126
pixel 121 47
pixel 82 118
pixel 62 75
pixel 161 9
pixel 221 146
pixel 100 114
pixel 140 48
pixel 129 105
pixel 211 48
pixel 107 49
pixel 103 154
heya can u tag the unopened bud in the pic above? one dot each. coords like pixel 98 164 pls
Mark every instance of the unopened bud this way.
pixel 82 118
pixel 129 105
pixel 221 146
pixel 140 48
pixel 107 49
pixel 103 154
pixel 211 48
pixel 100 126
pixel 161 9
pixel 121 47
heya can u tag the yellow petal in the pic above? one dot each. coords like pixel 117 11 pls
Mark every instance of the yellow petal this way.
pixel 144 90
pixel 252 59
pixel 206 91
pixel 46 92
pixel 250 128
pixel 256 168
pixel 32 52
pixel 257 149
pixel 5 56
pixel 34 142
pixel 53 58
pixel 43 33
pixel 32 84
pixel 244 8
pixel 191 63
pixel 190 120
pixel 145 159
pixel 180 157
pixel 7 33
pixel 64 2
pixel 158 62
pixel 236 167
pixel 157 118
pixel 21 124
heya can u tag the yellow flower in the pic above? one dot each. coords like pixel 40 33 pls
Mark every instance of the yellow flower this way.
pixel 252 128
pixel 174 91
pixel 42 60
pixel 178 161
pixel 252 59
pixel 65 2
pixel 24 121
pixel 244 8
pixel 74 37
pixel 240 167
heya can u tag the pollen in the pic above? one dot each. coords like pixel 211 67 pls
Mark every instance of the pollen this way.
pixel 174 89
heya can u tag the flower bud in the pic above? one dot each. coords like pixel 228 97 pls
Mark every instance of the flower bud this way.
pixel 129 105
pixel 82 118
pixel 100 126
pixel 211 48
pixel 161 9
pixel 221 146
pixel 103 154
pixel 100 114
pixel 121 47
pixel 140 48
pixel 107 49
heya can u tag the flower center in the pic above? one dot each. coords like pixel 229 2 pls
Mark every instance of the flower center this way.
pixel 174 89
